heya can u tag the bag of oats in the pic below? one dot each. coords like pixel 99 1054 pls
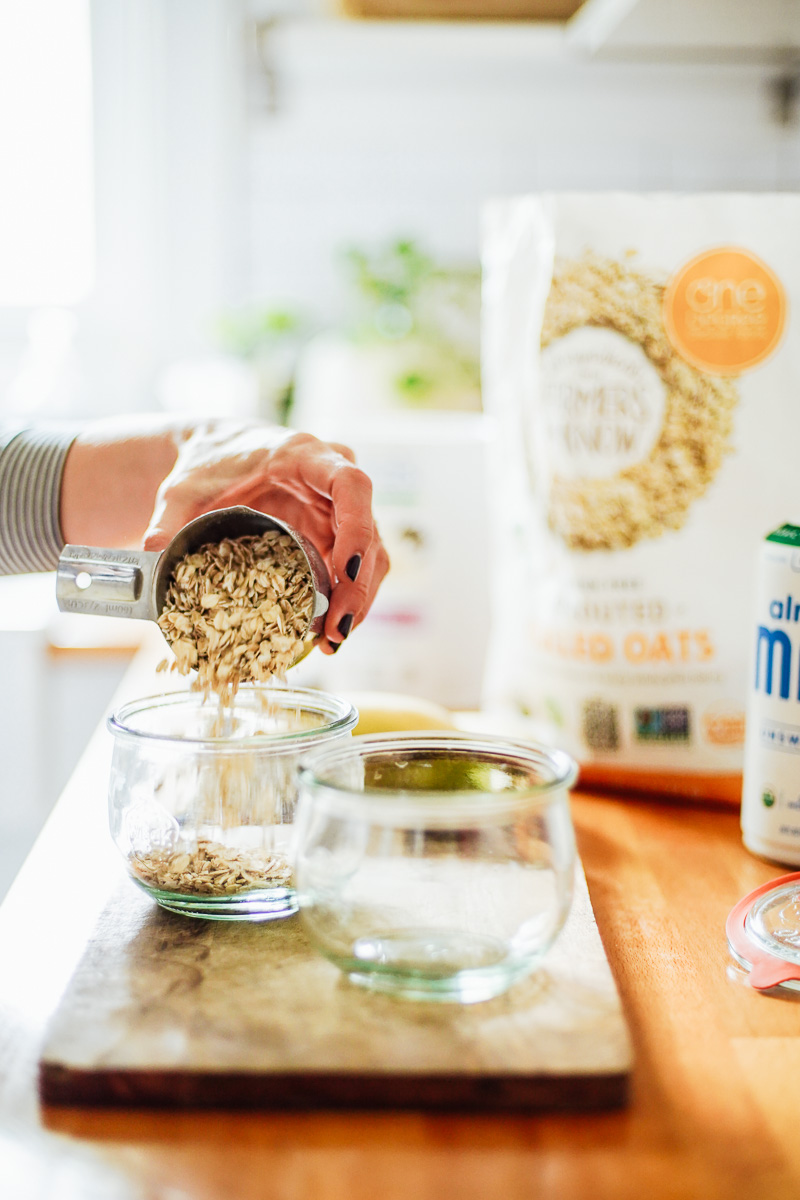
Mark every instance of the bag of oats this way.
pixel 641 361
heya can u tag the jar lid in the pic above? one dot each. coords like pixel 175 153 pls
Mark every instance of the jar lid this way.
pixel 764 933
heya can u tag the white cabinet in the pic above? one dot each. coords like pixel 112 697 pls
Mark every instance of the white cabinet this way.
pixel 51 699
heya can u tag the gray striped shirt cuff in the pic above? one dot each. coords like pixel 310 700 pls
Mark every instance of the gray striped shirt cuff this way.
pixel 31 467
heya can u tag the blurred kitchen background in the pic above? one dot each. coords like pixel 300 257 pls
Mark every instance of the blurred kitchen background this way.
pixel 272 208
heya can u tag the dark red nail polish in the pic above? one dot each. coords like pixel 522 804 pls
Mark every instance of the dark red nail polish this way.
pixel 353 567
pixel 334 645
pixel 345 625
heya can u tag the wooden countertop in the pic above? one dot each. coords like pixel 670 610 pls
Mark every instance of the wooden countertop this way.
pixel 716 1083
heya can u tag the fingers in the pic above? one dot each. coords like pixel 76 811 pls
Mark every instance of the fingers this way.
pixel 351 599
pixel 359 559
pixel 357 556
pixel 315 486
pixel 354 528
pixel 345 451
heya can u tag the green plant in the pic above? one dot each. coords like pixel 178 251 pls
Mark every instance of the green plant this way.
pixel 271 339
pixel 400 295
pixel 403 295
pixel 249 331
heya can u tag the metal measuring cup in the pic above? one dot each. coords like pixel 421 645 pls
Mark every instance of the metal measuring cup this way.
pixel 134 583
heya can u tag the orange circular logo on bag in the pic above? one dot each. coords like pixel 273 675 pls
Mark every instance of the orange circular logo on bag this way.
pixel 725 311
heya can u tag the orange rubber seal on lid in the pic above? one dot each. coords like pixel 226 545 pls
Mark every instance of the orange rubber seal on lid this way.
pixel 766 970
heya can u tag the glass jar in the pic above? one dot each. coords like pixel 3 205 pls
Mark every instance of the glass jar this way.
pixel 202 798
pixel 437 866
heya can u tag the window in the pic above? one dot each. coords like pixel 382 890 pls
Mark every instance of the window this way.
pixel 46 182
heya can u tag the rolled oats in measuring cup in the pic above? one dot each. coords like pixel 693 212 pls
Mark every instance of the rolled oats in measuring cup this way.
pixel 239 595
pixel 771 786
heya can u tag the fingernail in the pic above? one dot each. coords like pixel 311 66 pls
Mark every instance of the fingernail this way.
pixel 334 645
pixel 345 625
pixel 353 567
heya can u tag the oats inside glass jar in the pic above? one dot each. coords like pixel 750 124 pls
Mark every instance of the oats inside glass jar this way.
pixel 202 797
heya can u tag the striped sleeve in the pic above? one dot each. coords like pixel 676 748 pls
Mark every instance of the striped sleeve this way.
pixel 31 467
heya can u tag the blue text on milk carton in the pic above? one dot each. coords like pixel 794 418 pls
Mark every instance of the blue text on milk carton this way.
pixel 775 654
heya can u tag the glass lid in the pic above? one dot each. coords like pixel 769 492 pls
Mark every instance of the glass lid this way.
pixel 764 934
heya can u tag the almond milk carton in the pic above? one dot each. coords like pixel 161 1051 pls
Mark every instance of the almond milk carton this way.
pixel 771 785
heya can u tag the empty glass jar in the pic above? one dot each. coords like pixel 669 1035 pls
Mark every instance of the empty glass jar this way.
pixel 202 798
pixel 436 866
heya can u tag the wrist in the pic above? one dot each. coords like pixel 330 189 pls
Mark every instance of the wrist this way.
pixel 111 474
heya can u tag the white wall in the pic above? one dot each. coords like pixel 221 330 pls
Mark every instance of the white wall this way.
pixel 386 130
pixel 170 197
pixel 225 174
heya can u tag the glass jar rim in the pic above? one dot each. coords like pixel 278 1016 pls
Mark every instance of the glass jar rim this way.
pixel 343 718
pixel 390 804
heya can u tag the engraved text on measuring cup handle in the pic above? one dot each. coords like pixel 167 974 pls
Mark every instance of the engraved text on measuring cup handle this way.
pixel 107 582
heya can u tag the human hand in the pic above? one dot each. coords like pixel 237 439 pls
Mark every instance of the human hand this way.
pixel 312 485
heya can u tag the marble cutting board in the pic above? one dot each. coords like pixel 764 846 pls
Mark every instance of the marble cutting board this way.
pixel 172 1012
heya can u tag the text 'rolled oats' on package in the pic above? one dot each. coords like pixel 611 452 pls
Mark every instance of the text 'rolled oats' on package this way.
pixel 642 361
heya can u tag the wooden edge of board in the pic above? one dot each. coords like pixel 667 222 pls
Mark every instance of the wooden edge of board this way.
pixel 59 1085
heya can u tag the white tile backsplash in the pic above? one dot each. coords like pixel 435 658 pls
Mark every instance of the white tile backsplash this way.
pixel 394 144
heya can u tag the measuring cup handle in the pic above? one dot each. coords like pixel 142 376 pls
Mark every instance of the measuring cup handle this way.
pixel 109 583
